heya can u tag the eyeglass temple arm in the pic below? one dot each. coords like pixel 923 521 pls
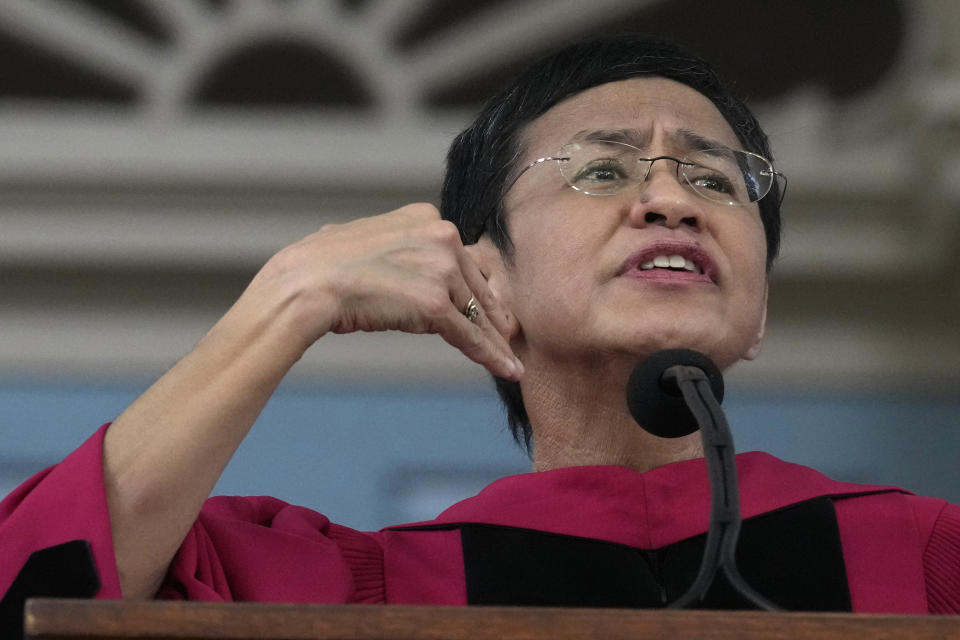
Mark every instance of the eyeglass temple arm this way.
pixel 530 166
pixel 783 190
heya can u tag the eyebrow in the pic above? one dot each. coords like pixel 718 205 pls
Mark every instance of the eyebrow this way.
pixel 696 142
pixel 684 138
pixel 634 137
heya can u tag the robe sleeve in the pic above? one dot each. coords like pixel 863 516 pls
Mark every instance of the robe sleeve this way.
pixel 263 549
pixel 941 561
pixel 65 502
pixel 251 549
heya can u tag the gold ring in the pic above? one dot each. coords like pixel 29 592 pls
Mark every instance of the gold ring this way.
pixel 472 310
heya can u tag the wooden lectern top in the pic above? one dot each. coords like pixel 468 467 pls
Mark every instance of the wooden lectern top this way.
pixel 49 619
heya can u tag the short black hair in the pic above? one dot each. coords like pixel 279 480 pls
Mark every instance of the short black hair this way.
pixel 483 156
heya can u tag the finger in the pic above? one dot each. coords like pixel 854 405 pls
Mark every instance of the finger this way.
pixel 481 346
pixel 488 301
pixel 480 340
pixel 481 317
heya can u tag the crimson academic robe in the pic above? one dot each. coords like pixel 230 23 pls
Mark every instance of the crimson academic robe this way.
pixel 557 537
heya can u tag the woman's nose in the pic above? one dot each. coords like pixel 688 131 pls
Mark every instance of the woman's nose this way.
pixel 660 199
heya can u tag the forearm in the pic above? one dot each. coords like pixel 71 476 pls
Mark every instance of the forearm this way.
pixel 405 270
pixel 165 453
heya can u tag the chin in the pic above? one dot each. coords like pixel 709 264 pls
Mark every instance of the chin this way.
pixel 721 352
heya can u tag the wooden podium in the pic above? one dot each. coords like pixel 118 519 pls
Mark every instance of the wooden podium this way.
pixel 118 620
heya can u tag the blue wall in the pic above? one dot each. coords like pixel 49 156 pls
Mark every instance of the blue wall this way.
pixel 368 458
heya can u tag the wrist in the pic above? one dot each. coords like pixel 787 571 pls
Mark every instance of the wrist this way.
pixel 276 318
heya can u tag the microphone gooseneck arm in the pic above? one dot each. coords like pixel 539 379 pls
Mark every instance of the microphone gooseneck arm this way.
pixel 721 546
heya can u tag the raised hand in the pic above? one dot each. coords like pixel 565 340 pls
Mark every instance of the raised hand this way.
pixel 405 270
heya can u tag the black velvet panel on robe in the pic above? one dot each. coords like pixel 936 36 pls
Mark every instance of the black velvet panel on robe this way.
pixel 792 556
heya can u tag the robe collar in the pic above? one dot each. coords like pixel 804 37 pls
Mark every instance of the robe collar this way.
pixel 670 503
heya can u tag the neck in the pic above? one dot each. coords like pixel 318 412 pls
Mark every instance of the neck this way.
pixel 577 424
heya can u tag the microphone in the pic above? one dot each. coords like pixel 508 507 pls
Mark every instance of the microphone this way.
pixel 672 394
pixel 654 398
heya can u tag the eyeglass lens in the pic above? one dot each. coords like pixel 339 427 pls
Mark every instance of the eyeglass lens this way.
pixel 721 175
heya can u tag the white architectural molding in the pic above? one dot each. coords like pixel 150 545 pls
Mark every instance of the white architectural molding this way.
pixel 164 190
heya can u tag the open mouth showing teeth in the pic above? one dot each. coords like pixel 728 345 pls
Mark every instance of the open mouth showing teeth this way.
pixel 670 262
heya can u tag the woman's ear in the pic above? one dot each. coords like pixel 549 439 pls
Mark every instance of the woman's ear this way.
pixel 757 345
pixel 493 267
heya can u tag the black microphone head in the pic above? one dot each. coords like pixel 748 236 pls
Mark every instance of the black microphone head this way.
pixel 658 406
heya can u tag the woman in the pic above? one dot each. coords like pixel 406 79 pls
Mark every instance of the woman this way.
pixel 615 200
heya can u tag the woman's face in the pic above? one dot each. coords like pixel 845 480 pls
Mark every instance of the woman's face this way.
pixel 575 283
